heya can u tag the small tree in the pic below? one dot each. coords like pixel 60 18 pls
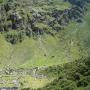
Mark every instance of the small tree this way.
pixel 40 28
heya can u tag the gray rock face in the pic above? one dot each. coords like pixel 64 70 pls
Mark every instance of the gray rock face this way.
pixel 14 88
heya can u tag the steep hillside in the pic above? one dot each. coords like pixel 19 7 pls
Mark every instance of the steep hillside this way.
pixel 37 34
pixel 41 34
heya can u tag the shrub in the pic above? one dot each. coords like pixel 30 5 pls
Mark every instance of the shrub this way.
pixel 1 1
pixel 14 37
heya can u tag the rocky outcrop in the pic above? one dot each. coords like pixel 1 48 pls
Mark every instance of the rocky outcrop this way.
pixel 13 88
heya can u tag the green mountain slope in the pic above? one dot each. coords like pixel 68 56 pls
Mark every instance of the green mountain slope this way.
pixel 48 46
pixel 40 34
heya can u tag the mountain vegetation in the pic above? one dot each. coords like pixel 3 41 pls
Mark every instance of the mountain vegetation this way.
pixel 45 44
pixel 39 19
pixel 71 76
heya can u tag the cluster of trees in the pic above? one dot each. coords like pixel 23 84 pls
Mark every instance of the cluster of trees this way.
pixel 71 76
pixel 78 2
pixel 34 21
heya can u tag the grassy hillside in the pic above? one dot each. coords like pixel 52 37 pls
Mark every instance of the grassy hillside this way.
pixel 72 44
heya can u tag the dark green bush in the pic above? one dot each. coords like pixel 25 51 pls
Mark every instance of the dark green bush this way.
pixel 14 37
pixel 1 1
